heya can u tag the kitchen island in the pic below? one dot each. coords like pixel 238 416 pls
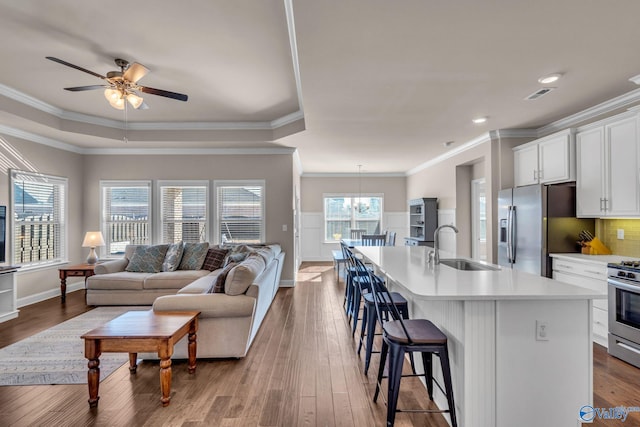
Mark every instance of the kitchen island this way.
pixel 519 344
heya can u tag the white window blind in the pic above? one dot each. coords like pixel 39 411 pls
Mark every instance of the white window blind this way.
pixel 183 213
pixel 39 218
pixel 240 207
pixel 126 208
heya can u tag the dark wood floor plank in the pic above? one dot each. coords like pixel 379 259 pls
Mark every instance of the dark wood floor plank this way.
pixel 302 370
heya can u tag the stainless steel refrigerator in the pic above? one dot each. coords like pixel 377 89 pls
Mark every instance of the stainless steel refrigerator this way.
pixel 537 220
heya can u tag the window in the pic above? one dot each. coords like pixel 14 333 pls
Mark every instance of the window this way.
pixel 125 214
pixel 240 211
pixel 344 212
pixel 183 212
pixel 39 218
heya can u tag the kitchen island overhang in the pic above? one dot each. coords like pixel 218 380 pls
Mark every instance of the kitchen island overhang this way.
pixel 504 372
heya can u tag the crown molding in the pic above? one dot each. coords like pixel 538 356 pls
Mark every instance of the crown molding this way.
pixel 485 137
pixel 513 133
pixel 39 139
pixel 621 101
pixel 100 121
pixel 189 151
pixel 354 175
pixel 293 44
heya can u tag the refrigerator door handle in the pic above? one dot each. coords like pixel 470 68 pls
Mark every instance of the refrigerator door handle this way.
pixel 514 228
pixel 509 230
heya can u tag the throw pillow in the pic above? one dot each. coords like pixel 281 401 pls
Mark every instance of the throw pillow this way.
pixel 214 259
pixel 241 276
pixel 173 257
pixel 218 286
pixel 193 256
pixel 147 259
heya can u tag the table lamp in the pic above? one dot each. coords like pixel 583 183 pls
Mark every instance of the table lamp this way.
pixel 91 240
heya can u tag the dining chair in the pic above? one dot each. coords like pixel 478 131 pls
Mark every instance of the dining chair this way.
pixel 391 238
pixel 400 336
pixel 356 233
pixel 373 239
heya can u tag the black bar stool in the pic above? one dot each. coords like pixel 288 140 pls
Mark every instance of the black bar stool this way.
pixel 369 319
pixel 409 335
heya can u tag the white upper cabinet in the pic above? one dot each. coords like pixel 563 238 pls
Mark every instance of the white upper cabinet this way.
pixel 547 160
pixel 608 177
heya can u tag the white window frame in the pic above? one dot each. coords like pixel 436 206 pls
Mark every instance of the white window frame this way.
pixel 177 183
pixel 352 219
pixel 124 183
pixel 248 183
pixel 63 237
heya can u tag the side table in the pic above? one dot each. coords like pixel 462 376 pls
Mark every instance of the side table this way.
pixel 79 270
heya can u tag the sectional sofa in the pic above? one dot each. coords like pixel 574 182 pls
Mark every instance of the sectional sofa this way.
pixel 233 299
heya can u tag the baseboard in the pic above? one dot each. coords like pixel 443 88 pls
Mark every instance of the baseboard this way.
pixel 51 293
pixel 287 283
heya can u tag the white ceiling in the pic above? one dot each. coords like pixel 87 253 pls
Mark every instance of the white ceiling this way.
pixel 377 83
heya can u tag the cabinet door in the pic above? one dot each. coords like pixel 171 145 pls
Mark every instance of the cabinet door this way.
pixel 555 160
pixel 525 165
pixel 590 173
pixel 622 155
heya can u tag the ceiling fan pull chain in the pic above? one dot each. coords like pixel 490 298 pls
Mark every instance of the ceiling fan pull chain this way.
pixel 125 140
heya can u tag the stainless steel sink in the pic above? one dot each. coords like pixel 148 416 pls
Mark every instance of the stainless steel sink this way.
pixel 463 264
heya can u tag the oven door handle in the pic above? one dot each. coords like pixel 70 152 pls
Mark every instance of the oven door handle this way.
pixel 625 286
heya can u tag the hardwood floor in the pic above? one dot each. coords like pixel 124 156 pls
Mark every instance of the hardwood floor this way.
pixel 301 370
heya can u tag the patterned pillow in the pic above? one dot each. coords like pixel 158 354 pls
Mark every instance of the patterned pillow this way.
pixel 218 286
pixel 147 259
pixel 214 259
pixel 193 256
pixel 173 257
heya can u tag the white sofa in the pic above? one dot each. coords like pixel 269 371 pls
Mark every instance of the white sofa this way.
pixel 228 321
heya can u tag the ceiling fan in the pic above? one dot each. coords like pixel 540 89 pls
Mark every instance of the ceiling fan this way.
pixel 122 85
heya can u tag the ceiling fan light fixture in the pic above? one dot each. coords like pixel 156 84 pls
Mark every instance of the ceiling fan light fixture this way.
pixel 112 95
pixel 134 100
pixel 118 104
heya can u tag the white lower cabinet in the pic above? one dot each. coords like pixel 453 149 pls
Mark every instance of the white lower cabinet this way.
pixel 591 275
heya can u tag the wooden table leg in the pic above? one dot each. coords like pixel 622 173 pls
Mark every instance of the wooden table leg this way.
pixel 165 380
pixel 193 345
pixel 92 352
pixel 63 286
pixel 133 365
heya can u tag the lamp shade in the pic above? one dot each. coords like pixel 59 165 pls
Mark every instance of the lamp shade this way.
pixel 93 239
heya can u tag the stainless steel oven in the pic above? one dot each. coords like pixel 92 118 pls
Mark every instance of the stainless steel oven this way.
pixel 624 311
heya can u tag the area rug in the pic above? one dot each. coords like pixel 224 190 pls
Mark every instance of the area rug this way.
pixel 56 355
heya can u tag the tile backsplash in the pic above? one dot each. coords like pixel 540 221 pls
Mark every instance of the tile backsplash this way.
pixel 607 231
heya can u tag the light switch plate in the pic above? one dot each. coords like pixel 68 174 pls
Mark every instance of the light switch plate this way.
pixel 620 233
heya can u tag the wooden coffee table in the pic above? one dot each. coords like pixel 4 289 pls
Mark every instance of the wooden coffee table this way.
pixel 141 331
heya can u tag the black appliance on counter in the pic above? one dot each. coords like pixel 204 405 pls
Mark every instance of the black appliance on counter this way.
pixel 624 310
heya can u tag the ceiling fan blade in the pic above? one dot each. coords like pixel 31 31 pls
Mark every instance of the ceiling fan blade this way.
pixel 68 64
pixel 82 88
pixel 135 72
pixel 165 93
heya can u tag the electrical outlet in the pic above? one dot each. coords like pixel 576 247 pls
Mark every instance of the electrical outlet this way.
pixel 542 330
pixel 620 233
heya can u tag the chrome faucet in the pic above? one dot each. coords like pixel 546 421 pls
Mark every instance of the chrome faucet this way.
pixel 436 243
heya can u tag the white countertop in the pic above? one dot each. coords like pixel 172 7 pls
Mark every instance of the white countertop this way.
pixel 407 266
pixel 594 259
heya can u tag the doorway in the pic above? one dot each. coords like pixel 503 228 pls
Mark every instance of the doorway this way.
pixel 478 219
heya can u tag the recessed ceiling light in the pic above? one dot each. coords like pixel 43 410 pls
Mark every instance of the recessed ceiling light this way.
pixel 479 120
pixel 545 80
